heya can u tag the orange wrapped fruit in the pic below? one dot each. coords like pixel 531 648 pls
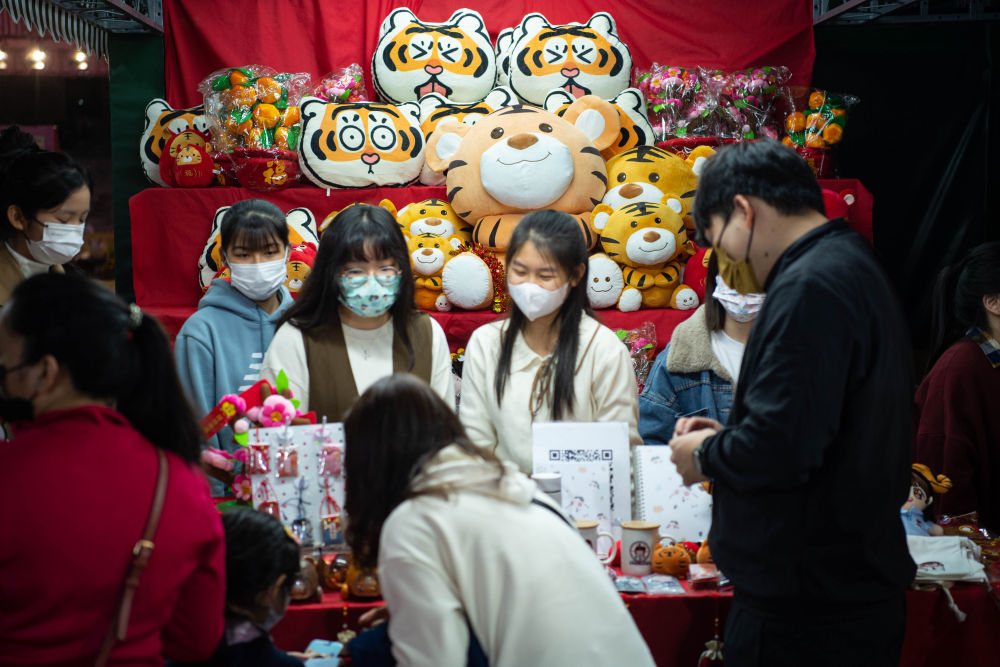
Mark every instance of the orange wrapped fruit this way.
pixel 237 77
pixel 816 99
pixel 290 116
pixel 832 133
pixel 235 128
pixel 265 116
pixel 796 122
pixel 240 96
pixel 281 138
pixel 268 90
pixel 815 121
pixel 815 140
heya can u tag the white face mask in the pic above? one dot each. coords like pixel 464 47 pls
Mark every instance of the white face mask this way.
pixel 536 301
pixel 740 307
pixel 60 243
pixel 259 281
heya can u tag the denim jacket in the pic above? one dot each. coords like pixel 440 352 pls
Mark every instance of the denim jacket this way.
pixel 686 381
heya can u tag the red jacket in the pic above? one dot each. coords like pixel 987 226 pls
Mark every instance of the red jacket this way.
pixel 75 492
pixel 957 429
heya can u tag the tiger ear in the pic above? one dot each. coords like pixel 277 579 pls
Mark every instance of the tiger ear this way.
pixel 599 217
pixel 596 118
pixel 557 98
pixel 444 144
pixel 389 206
pixel 602 23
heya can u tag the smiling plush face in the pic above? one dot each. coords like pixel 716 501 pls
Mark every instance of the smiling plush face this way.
pixel 431 216
pixel 604 281
pixel 454 59
pixel 430 252
pixel 643 234
pixel 162 122
pixel 361 144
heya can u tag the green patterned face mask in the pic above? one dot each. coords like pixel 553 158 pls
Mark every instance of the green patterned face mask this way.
pixel 368 295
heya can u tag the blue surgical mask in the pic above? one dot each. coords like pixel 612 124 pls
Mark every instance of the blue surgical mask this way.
pixel 369 295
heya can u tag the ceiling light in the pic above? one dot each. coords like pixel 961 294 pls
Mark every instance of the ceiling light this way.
pixel 38 64
pixel 37 55
pixel 82 65
pixel 80 57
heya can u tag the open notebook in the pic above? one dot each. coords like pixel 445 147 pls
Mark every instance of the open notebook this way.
pixel 682 512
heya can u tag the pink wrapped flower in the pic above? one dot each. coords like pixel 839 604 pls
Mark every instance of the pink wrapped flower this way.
pixel 217 458
pixel 276 411
pixel 242 488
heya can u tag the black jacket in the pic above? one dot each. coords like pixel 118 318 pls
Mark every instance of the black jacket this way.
pixel 813 467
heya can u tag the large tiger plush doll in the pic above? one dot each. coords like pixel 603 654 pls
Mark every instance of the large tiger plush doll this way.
pixel 360 144
pixel 163 122
pixel 435 109
pixel 636 129
pixel 454 59
pixel 536 57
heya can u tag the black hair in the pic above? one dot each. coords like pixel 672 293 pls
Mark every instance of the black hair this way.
pixel 255 223
pixel 357 234
pixel 110 350
pixel 557 236
pixel 258 551
pixel 35 180
pixel 715 314
pixel 765 169
pixel 382 456
pixel 958 296
pixel 14 139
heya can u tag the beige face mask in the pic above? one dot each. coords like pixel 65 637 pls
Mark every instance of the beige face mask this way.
pixel 738 274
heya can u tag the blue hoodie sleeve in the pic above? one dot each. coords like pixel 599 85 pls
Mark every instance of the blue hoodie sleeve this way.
pixel 196 369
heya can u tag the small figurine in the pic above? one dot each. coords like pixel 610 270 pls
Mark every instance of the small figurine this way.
pixel 671 559
pixel 360 583
pixel 924 488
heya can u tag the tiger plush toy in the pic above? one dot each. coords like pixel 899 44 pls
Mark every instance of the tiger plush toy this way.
pixel 536 57
pixel 434 109
pixel 163 122
pixel 429 253
pixel 454 59
pixel 360 144
pixel 636 129
pixel 649 242
pixel 430 216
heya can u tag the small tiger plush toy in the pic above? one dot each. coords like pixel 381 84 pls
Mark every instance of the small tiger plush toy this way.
pixel 360 144
pixel 163 122
pixel 631 106
pixel 413 58
pixel 428 254
pixel 430 216
pixel 590 59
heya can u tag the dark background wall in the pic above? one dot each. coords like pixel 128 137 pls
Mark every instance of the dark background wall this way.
pixel 923 139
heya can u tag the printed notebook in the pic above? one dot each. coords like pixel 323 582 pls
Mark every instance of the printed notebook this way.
pixel 684 513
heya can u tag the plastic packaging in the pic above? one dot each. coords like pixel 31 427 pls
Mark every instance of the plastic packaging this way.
pixel 253 114
pixel 817 126
pixel 662 584
pixel 750 103
pixel 678 103
pixel 345 85
pixel 641 344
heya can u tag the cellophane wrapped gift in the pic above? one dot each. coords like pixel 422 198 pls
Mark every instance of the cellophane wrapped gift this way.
pixel 678 102
pixel 750 103
pixel 641 344
pixel 253 114
pixel 818 126
pixel 344 85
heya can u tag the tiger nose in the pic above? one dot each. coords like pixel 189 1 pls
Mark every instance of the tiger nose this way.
pixel 651 236
pixel 522 141
pixel 630 191
pixel 432 222
pixel 433 68
pixel 426 252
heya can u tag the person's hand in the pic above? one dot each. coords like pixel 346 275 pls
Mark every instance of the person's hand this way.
pixel 685 425
pixel 373 617
pixel 682 456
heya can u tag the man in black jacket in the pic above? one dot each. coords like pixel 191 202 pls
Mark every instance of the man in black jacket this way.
pixel 813 467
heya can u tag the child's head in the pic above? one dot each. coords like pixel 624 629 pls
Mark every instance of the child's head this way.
pixel 262 561
pixel 253 231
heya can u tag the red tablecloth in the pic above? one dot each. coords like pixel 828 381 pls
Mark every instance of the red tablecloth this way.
pixel 677 627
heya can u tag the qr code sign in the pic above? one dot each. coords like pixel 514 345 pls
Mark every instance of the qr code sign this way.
pixel 578 455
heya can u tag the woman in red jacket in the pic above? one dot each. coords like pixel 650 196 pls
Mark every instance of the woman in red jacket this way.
pixel 90 391
pixel 957 413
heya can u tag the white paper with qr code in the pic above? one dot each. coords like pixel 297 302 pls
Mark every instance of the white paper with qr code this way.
pixel 593 460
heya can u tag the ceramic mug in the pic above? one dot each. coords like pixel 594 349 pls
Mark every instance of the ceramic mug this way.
pixel 588 531
pixel 639 538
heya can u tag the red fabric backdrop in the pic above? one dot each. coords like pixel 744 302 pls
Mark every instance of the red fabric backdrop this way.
pixel 318 37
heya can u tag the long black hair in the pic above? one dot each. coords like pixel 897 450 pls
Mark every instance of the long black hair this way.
pixel 258 551
pixel 958 296
pixel 35 180
pixel 357 234
pixel 557 237
pixel 715 314
pixel 255 223
pixel 390 432
pixel 111 351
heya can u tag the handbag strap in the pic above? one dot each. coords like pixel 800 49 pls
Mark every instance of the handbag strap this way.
pixel 140 558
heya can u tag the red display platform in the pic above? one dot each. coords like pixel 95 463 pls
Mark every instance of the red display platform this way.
pixel 676 627
pixel 171 225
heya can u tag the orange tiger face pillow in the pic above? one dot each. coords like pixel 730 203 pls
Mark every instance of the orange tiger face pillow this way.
pixel 163 122
pixel 590 59
pixel 413 58
pixel 360 144
pixel 521 159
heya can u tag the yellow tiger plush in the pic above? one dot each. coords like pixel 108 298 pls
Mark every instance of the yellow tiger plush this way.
pixel 521 159
pixel 636 129
pixel 649 242
pixel 434 109
pixel 536 57
pixel 413 58
pixel 430 216
pixel 428 254
pixel 360 144
pixel 162 122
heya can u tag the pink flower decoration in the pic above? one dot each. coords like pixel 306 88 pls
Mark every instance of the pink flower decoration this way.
pixel 242 488
pixel 242 455
pixel 237 402
pixel 276 411
pixel 253 414
pixel 217 458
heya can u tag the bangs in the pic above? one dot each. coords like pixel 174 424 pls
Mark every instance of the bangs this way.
pixel 372 242
pixel 256 237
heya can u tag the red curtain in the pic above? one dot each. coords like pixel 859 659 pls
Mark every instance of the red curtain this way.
pixel 320 36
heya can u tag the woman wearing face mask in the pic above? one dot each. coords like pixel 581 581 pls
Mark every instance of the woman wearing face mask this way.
pixel 550 360
pixel 354 320
pixel 695 374
pixel 98 415
pixel 219 350
pixel 44 203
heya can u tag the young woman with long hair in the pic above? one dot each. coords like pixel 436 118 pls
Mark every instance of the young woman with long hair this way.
pixel 354 320
pixel 467 548
pixel 90 392
pixel 550 360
